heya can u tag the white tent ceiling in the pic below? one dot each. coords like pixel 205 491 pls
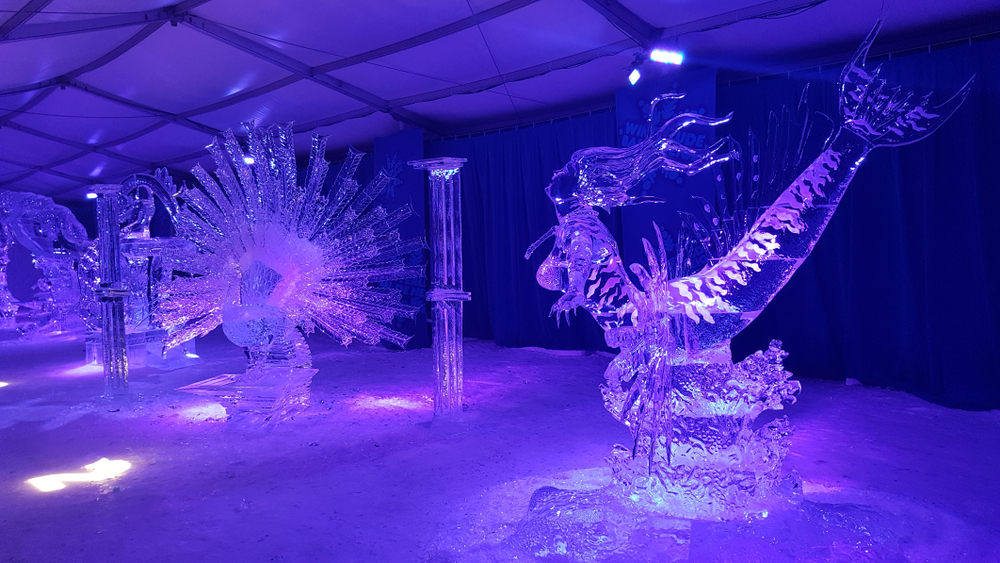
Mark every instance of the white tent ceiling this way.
pixel 94 90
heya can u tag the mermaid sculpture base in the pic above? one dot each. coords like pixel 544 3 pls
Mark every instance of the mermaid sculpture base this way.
pixel 717 466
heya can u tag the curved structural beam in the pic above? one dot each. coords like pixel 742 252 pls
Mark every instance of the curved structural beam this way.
pixel 641 31
pixel 97 63
pixel 72 27
pixel 22 15
pixel 295 66
pixel 17 28
pixel 424 38
pixel 165 115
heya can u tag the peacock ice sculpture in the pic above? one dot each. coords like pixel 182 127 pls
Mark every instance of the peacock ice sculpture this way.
pixel 276 259
pixel 689 408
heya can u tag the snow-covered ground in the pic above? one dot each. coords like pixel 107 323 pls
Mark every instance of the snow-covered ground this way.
pixel 364 475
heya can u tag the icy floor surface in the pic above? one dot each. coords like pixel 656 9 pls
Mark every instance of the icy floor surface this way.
pixel 364 476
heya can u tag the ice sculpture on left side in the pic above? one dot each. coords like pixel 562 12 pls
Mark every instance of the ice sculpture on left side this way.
pixel 57 241
pixel 276 259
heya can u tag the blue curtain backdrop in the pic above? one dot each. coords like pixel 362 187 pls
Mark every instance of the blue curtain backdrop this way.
pixel 902 291
pixel 407 188
pixel 674 189
pixel 504 210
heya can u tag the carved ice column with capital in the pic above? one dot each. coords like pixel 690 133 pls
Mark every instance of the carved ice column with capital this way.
pixel 111 291
pixel 446 280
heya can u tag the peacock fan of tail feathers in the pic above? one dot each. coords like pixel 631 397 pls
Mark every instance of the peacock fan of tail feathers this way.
pixel 276 258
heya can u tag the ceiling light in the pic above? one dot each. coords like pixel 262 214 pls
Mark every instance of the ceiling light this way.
pixel 248 159
pixel 668 57
pixel 633 76
pixel 91 195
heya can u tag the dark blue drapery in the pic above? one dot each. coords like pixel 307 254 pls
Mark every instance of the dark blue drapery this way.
pixel 900 292
pixel 505 209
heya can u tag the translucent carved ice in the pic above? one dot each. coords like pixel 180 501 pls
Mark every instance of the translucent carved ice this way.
pixel 56 241
pixel 688 407
pixel 8 304
pixel 119 278
pixel 70 286
pixel 275 259
pixel 446 280
pixel 111 292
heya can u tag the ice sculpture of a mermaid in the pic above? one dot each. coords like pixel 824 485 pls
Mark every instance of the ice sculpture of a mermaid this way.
pixel 688 407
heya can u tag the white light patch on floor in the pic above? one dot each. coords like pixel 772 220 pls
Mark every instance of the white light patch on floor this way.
pixel 370 402
pixel 815 488
pixel 205 412
pixel 81 370
pixel 101 470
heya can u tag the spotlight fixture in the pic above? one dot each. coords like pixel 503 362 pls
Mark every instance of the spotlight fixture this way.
pixel 656 55
pixel 91 195
pixel 667 57
pixel 633 69
pixel 634 76
pixel 248 159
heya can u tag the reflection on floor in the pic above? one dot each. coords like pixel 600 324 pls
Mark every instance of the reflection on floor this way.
pixel 362 474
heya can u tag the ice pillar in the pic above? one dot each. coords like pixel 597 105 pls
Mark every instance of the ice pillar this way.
pixel 446 280
pixel 111 292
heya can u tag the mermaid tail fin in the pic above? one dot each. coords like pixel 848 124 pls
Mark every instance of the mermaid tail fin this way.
pixel 888 116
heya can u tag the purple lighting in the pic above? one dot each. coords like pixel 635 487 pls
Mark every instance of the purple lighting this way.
pixel 345 357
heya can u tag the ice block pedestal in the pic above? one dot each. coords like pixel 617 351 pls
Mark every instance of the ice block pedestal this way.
pixel 446 280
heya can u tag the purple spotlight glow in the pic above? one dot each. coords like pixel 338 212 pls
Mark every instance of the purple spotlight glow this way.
pixel 80 370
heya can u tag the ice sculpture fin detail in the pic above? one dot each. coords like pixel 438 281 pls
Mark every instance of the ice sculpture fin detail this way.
pixel 885 116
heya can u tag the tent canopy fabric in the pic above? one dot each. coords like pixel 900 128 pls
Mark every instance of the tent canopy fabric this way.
pixel 94 90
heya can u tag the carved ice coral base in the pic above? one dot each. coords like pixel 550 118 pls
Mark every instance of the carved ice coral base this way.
pixel 718 466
